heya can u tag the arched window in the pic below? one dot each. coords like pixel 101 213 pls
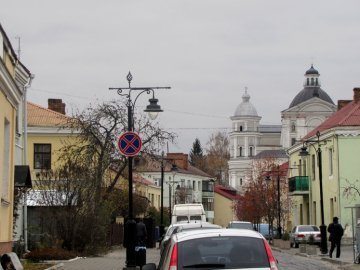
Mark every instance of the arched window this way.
pixel 316 81
pixel 251 151
pixel 240 151
pixel 307 81
pixel 241 128
pixel 312 81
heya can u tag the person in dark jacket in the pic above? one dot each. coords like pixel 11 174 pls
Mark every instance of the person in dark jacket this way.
pixel 141 233
pixel 336 232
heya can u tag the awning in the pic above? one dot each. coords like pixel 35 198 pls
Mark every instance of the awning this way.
pixel 22 176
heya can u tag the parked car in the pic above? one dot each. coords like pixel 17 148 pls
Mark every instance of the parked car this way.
pixel 240 225
pixel 301 233
pixel 216 249
pixel 266 230
pixel 178 227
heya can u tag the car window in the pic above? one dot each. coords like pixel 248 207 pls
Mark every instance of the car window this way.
pixel 181 218
pixel 308 229
pixel 222 252
pixel 195 217
pixel 241 226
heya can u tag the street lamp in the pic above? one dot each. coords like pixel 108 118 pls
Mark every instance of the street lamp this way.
pixel 304 153
pixel 278 202
pixel 174 170
pixel 153 109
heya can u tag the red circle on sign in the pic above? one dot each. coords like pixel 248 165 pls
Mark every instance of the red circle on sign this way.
pixel 129 144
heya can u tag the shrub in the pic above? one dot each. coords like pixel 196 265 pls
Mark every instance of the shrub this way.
pixel 49 254
pixel 285 236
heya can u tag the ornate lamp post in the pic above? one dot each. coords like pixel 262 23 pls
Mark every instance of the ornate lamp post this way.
pixel 153 109
pixel 304 153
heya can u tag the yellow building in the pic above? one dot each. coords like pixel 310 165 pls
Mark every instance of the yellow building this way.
pixel 224 201
pixel 46 135
pixel 14 78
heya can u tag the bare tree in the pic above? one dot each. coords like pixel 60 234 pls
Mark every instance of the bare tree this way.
pixel 217 156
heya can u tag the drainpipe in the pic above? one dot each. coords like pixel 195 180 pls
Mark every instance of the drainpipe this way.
pixel 25 226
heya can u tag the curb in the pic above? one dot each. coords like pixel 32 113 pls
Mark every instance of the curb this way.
pixel 58 266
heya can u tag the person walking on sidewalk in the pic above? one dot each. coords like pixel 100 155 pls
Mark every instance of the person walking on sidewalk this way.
pixel 336 232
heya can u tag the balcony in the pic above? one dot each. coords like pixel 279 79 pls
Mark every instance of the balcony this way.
pixel 299 185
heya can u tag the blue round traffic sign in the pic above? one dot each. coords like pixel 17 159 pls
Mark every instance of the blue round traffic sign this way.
pixel 129 144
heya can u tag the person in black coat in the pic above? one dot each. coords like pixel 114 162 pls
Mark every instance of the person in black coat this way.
pixel 141 233
pixel 336 232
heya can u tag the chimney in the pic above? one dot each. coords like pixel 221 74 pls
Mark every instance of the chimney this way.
pixel 180 159
pixel 342 104
pixel 356 94
pixel 56 105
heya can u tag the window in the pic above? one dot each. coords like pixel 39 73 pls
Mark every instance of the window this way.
pixel 240 151
pixel 293 141
pixel 241 128
pixel 194 185
pixel 241 182
pixel 251 151
pixel 42 156
pixel 6 161
pixel 293 126
pixel 330 161
pixel 157 182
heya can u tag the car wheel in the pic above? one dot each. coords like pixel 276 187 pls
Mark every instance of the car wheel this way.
pixel 291 244
pixel 296 245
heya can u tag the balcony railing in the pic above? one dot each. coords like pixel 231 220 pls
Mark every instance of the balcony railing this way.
pixel 299 185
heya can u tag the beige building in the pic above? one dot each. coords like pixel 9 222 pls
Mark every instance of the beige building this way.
pixel 224 198
pixel 14 79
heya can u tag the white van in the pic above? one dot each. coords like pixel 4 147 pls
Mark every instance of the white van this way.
pixel 188 212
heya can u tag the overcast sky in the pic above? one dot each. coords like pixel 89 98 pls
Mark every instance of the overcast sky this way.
pixel 206 51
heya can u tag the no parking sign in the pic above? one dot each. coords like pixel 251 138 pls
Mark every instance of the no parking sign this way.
pixel 129 144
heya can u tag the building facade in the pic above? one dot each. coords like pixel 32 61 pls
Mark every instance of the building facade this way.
pixel 14 79
pixel 247 139
pixel 339 143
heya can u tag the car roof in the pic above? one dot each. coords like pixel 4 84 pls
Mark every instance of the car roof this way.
pixel 196 234
pixel 238 221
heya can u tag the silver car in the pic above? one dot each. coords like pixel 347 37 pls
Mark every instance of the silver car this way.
pixel 178 227
pixel 216 249
pixel 303 234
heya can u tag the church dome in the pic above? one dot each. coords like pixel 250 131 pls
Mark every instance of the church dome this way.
pixel 311 70
pixel 308 93
pixel 311 89
pixel 245 108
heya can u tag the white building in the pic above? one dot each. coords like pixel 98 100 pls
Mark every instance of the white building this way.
pixel 309 108
pixel 249 139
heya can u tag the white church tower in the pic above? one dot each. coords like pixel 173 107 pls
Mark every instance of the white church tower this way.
pixel 244 140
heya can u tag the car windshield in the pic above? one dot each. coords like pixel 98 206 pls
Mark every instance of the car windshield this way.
pixel 241 226
pixel 222 252
pixel 308 229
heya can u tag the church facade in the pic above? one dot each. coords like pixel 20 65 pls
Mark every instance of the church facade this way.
pixel 249 139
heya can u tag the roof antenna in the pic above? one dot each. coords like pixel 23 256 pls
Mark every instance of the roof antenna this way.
pixel 18 50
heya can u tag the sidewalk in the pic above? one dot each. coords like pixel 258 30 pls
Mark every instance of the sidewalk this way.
pixel 346 260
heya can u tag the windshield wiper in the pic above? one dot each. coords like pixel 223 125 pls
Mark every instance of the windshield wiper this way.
pixel 205 265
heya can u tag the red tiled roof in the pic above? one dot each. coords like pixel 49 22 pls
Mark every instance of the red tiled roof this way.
pixel 40 116
pixel 227 192
pixel 349 115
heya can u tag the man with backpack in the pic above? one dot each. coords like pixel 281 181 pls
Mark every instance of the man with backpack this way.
pixel 336 232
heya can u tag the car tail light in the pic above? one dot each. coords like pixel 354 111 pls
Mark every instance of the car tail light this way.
pixel 318 235
pixel 301 235
pixel 272 260
pixel 173 258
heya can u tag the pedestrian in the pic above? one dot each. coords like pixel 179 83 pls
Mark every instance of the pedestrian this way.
pixel 141 233
pixel 336 232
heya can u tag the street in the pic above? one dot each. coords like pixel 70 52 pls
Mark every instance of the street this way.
pixel 295 262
